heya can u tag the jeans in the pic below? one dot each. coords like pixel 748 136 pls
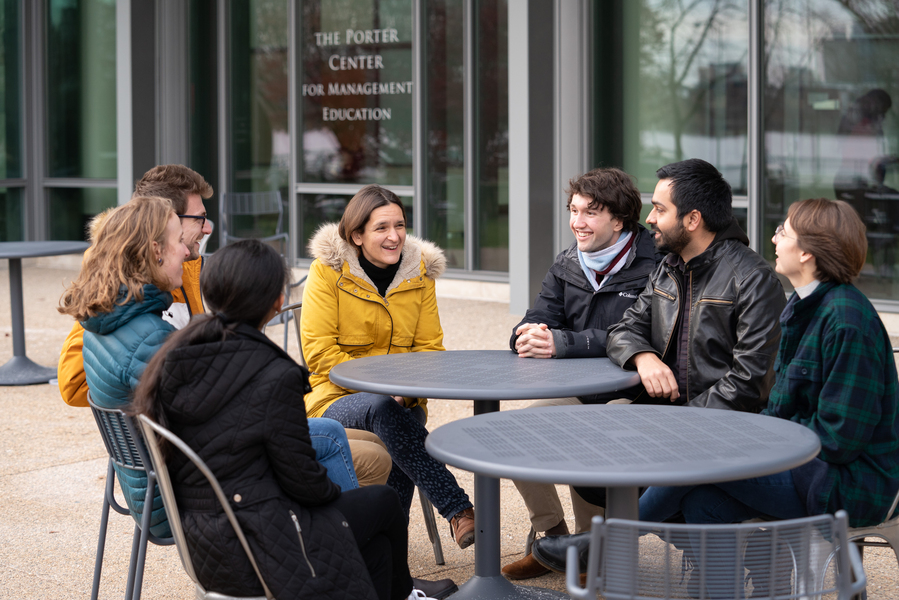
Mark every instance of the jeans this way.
pixel 333 451
pixel 403 432
pixel 725 502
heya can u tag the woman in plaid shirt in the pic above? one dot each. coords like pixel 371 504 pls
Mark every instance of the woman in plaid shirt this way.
pixel 835 374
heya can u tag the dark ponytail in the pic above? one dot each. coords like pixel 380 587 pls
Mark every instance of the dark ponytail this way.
pixel 240 284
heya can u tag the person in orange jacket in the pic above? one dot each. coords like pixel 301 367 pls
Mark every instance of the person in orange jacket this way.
pixel 186 189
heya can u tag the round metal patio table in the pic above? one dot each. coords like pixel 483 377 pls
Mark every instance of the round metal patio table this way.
pixel 487 377
pixel 623 447
pixel 21 370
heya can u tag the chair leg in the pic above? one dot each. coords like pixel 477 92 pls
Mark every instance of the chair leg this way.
pixel 138 575
pixel 101 541
pixel 132 564
pixel 529 542
pixel 427 510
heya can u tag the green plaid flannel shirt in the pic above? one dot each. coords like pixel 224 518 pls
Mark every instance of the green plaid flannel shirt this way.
pixel 835 374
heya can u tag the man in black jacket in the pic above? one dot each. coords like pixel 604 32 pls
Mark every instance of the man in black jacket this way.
pixel 587 289
pixel 705 330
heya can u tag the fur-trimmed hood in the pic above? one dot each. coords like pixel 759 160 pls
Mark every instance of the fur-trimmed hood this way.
pixel 327 246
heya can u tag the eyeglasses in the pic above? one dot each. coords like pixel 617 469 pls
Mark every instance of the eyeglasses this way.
pixel 200 217
pixel 781 232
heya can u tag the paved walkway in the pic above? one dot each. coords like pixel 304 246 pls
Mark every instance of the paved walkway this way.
pixel 53 467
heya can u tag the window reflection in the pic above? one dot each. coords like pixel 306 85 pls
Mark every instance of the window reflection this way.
pixel 10 92
pixel 685 86
pixel 11 214
pixel 356 92
pixel 71 210
pixel 259 135
pixel 831 128
pixel 81 92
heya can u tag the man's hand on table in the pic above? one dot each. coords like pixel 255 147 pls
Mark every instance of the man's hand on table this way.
pixel 656 377
pixel 535 341
pixel 400 399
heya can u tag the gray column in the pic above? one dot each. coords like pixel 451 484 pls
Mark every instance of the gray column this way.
pixel 124 142
pixel 143 90
pixel 173 83
pixel 573 114
pixel 532 194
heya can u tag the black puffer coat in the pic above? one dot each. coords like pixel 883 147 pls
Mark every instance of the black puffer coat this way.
pixel 579 316
pixel 239 404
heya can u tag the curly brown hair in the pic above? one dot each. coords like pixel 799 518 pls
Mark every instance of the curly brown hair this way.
pixel 610 188
pixel 121 254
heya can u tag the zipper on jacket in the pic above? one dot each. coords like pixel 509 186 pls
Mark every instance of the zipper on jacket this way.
pixel 677 300
pixel 296 523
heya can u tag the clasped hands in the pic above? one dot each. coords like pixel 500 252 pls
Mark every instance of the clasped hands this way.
pixel 535 340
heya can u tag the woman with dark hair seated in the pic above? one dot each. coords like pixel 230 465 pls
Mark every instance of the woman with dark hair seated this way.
pixel 237 399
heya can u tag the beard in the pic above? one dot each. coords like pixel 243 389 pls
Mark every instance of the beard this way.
pixel 674 241
pixel 194 253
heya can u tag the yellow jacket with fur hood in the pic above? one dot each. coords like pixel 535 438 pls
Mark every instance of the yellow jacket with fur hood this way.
pixel 344 317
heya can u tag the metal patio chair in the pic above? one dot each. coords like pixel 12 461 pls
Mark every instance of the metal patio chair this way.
pixel 776 560
pixel 252 215
pixel 151 430
pixel 126 449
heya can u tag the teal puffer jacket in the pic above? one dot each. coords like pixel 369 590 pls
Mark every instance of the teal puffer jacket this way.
pixel 117 347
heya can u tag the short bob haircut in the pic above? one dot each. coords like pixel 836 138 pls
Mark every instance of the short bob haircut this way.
pixel 832 232
pixel 612 189
pixel 121 254
pixel 360 207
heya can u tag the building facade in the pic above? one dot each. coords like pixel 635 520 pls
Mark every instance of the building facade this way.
pixel 475 112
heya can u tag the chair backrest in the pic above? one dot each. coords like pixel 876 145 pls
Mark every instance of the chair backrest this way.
pixel 150 430
pixel 296 308
pixel 117 431
pixel 250 204
pixel 778 559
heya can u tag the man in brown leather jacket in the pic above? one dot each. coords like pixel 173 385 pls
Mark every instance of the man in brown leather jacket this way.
pixel 705 330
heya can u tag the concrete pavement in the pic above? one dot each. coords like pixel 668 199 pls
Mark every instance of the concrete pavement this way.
pixel 53 468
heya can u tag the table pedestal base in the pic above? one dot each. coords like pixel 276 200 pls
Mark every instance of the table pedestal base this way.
pixel 499 588
pixel 21 370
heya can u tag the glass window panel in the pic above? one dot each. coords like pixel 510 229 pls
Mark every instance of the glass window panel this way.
pixel 72 209
pixel 81 92
pixel 316 209
pixel 10 92
pixel 356 91
pixel 12 228
pixel 831 127
pixel 684 85
pixel 444 201
pixel 203 98
pixel 260 143
pixel 492 205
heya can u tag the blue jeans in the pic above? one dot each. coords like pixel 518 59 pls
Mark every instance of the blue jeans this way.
pixel 725 502
pixel 403 432
pixel 332 449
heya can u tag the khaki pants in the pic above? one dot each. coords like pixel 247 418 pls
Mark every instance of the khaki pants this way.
pixel 371 460
pixel 544 507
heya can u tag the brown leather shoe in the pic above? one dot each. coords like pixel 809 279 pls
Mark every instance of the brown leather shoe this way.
pixel 462 528
pixel 525 568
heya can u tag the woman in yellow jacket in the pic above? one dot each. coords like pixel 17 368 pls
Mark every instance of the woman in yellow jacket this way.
pixel 370 291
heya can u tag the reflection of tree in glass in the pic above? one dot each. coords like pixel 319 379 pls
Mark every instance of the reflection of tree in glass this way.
pixel 679 60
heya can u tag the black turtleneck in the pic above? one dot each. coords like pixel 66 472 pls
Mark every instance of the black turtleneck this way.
pixel 382 278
